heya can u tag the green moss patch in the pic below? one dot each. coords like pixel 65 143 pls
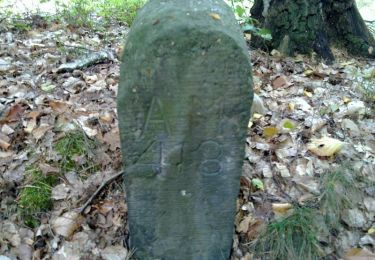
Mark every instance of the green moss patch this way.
pixel 35 197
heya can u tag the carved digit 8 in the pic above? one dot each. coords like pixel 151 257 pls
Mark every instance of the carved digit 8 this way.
pixel 211 151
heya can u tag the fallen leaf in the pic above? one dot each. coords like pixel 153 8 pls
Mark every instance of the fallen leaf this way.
pixel 91 79
pixel 113 139
pixel 257 116
pixel 281 82
pixel 257 183
pixel 13 114
pixel 47 87
pixel 60 192
pixel 114 252
pixel 276 53
pixel 287 125
pixel 31 124
pixel 308 73
pixel 58 106
pixel 4 141
pixel 67 224
pixel 214 16
pixel 281 208
pixel 359 254
pixel 325 146
pixel 6 129
pixel 106 117
pixel 243 226
pixel 5 154
pixel 46 168
pixel 307 93
pixel 346 100
pixel 284 171
pixel 41 131
pixel 105 207
pixel 270 131
pixel 334 107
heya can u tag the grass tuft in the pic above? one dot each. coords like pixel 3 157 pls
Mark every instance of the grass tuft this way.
pixel 338 191
pixel 292 237
pixel 76 151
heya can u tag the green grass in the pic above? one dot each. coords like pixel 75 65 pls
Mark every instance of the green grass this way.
pixel 295 236
pixel 120 10
pixel 339 192
pixel 292 237
pixel 35 197
pixel 83 13
pixel 76 145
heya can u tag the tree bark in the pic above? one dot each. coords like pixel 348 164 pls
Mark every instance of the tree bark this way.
pixel 347 28
pixel 312 25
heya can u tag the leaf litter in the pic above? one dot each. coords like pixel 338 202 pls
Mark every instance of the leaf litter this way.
pixel 48 90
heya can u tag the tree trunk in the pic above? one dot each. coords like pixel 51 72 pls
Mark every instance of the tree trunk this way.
pixel 306 25
pixel 347 28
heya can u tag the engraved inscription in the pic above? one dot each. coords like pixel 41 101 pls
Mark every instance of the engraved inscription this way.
pixel 155 120
pixel 210 167
pixel 229 128
pixel 161 158
pixel 210 149
pixel 211 152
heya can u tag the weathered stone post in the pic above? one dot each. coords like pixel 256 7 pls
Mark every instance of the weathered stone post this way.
pixel 183 104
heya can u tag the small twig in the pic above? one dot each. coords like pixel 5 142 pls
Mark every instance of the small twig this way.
pixel 78 47
pixel 105 183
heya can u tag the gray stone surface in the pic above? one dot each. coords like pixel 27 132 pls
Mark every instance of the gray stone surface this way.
pixel 183 104
pixel 354 218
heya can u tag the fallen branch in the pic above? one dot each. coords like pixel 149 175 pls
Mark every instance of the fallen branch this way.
pixel 86 61
pixel 105 183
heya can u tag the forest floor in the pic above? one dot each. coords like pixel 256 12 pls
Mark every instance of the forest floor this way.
pixel 310 151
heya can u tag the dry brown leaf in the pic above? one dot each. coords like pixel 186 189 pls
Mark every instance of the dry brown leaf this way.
pixel 359 254
pixel 243 226
pixel 13 114
pixel 113 139
pixel 40 131
pixel 4 141
pixel 58 106
pixel 31 124
pixel 281 82
pixel 106 117
pixel 255 228
pixel 5 154
pixel 46 168
pixel 105 207
pixel 67 224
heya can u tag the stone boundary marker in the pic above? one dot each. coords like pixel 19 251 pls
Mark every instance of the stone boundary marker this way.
pixel 183 104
